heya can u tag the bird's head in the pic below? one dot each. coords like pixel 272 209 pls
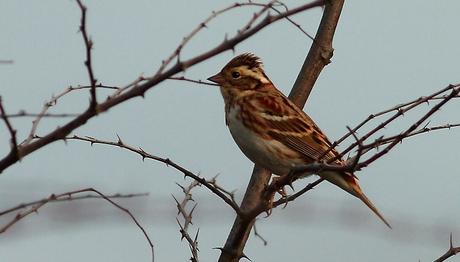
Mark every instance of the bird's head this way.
pixel 242 72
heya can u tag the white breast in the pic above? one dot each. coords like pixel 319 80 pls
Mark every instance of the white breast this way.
pixel 259 150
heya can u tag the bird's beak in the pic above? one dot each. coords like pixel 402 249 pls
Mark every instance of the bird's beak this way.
pixel 217 78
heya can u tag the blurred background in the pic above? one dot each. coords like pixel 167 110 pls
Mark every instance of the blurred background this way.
pixel 386 53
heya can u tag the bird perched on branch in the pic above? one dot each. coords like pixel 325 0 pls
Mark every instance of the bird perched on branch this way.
pixel 272 131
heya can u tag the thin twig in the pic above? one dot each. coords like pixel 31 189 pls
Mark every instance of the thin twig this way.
pixel 143 86
pixel 67 195
pixel 386 140
pixel 11 130
pixel 452 251
pixel 88 63
pixel 307 188
pixel 185 40
pixel 182 78
pixel 354 164
pixel 53 101
pixel 167 161
pixel 187 217
pixel 48 115
pixel 67 198
pixel 259 236
pixel 455 91
pixel 399 110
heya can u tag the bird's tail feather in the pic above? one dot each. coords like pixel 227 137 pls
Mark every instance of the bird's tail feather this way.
pixel 349 183
pixel 369 204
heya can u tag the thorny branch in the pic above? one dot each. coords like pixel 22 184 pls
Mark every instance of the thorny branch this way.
pixel 226 196
pixel 53 101
pixel 264 9
pixel 362 148
pixel 141 85
pixel 398 110
pixel 204 24
pixel 69 196
pixel 187 217
pixel 256 233
pixel 13 141
pixel 452 251
pixel 88 63
pixel 23 113
pixel 318 57
pixel 182 78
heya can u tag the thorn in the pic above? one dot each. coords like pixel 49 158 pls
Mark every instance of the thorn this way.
pixel 244 256
pixel 268 212
pixel 196 236
pixel 191 211
pixel 219 248
pixel 143 154
pixel 426 124
pixel 119 142
pixel 182 187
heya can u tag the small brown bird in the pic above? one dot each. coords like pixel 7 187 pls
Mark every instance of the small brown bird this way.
pixel 271 130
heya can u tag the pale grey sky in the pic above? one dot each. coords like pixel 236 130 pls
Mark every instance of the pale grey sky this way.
pixel 386 52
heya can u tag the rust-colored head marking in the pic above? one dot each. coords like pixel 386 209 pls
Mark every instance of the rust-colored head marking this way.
pixel 246 59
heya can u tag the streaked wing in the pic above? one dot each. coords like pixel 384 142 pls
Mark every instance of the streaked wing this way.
pixel 291 126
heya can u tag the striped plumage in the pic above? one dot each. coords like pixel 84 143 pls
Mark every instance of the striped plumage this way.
pixel 271 130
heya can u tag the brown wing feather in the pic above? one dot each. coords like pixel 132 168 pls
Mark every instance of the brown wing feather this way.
pixel 291 126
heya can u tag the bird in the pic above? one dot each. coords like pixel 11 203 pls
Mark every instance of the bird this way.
pixel 272 131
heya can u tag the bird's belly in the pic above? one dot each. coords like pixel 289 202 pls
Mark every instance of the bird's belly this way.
pixel 268 153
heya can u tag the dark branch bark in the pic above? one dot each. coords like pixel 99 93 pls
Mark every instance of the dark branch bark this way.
pixel 317 58
pixel 452 251
pixel 140 89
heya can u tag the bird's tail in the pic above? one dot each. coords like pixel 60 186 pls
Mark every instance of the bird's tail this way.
pixel 349 183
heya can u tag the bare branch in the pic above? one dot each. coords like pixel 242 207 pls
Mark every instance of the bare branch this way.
pixel 318 57
pixel 307 188
pixel 182 78
pixel 67 195
pixel 67 198
pixel 187 216
pixel 13 141
pixel 142 85
pixel 399 111
pixel 210 185
pixel 290 20
pixel 89 46
pixel 264 8
pixel 455 91
pixel 452 251
pixel 354 164
pixel 256 233
pixel 23 113
pixel 50 103
pixel 386 140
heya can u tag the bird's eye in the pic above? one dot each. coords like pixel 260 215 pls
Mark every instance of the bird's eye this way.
pixel 235 74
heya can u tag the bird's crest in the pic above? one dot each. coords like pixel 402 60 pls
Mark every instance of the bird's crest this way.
pixel 246 59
